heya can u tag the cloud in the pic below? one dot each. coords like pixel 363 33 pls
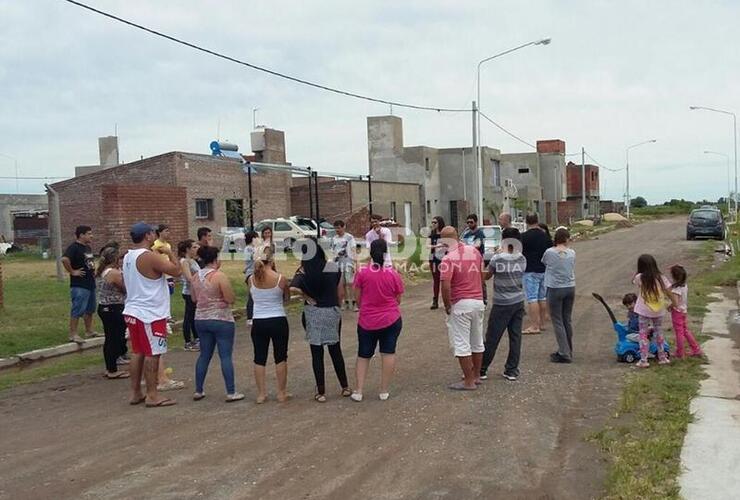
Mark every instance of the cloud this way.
pixel 616 73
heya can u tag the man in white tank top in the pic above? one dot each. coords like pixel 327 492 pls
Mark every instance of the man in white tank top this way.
pixel 147 310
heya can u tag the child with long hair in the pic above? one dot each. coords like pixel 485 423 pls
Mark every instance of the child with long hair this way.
pixel 679 313
pixel 653 300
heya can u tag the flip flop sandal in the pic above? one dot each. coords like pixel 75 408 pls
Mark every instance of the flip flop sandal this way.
pixel 320 398
pixel 459 386
pixel 162 403
pixel 531 332
pixel 346 392
pixel 117 375
pixel 138 401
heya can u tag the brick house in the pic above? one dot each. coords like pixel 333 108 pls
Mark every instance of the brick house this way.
pixel 184 190
pixel 575 188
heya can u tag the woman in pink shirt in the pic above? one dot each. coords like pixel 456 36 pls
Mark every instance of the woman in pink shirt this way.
pixel 379 289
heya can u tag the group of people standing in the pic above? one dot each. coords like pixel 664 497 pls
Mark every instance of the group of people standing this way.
pixel 527 268
pixel 134 290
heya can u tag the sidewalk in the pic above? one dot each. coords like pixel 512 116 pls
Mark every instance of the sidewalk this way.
pixel 710 458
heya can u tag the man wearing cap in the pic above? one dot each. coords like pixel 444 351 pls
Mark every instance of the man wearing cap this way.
pixel 147 310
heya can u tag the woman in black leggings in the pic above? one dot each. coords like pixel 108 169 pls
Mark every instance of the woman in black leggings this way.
pixel 269 291
pixel 322 287
pixel 111 295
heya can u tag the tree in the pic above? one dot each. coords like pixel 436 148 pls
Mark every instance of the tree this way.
pixel 638 202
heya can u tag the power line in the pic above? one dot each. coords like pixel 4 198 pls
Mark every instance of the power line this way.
pixel 263 69
pixel 602 166
pixel 511 134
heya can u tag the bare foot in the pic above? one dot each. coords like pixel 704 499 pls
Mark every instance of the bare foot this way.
pixel 282 398
pixel 261 399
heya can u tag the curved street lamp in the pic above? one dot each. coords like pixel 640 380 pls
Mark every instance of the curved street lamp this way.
pixel 476 118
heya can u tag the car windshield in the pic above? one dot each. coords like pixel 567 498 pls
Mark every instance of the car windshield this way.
pixel 492 233
pixel 711 215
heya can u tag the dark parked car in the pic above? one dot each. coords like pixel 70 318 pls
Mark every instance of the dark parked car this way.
pixel 705 222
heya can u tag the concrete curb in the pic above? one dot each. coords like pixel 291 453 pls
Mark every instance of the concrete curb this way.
pixel 9 362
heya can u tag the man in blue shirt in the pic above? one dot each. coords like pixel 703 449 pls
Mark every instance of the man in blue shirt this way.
pixel 473 235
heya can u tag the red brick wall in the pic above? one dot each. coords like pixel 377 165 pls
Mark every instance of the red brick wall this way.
pixel 551 146
pixel 123 205
pixel 568 211
pixel 573 178
pixel 334 200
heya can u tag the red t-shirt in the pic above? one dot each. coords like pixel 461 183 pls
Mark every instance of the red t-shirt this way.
pixel 462 267
pixel 379 287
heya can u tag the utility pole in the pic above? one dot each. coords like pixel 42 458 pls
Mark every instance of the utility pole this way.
pixel 584 208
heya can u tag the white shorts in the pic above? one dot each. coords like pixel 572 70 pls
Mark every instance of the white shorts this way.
pixel 465 327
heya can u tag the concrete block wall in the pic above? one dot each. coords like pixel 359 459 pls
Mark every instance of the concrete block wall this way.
pixel 10 202
pixel 573 180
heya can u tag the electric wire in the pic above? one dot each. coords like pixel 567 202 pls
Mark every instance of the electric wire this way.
pixel 510 134
pixel 263 69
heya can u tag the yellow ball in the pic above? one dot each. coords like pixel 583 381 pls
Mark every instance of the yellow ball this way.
pixel 168 371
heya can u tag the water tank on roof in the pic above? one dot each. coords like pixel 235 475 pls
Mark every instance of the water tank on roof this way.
pixel 217 147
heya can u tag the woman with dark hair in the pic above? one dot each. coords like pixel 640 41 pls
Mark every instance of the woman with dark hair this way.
pixel 188 251
pixel 379 289
pixel 560 280
pixel 437 251
pixel 267 246
pixel 322 287
pixel 214 296
pixel 111 298
pixel 270 291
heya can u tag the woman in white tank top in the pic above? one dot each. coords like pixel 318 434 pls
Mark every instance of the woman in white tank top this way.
pixel 270 291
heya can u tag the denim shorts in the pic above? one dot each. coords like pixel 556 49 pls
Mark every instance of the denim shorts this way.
pixel 534 287
pixel 83 301
pixel 386 337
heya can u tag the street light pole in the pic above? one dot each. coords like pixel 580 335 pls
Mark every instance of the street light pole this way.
pixel 729 189
pixel 734 136
pixel 476 118
pixel 628 200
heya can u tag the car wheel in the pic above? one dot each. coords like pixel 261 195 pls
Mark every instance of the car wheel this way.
pixel 629 357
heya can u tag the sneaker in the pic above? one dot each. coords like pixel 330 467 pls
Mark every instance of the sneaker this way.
pixel 237 396
pixel 249 322
pixel 191 346
pixel 356 397
pixel 435 305
pixel 122 361
pixel 383 396
pixel 483 376
pixel 556 357
pixel 643 363
pixel 510 376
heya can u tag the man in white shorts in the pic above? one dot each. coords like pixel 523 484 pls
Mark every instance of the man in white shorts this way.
pixel 344 248
pixel 461 274
pixel 147 310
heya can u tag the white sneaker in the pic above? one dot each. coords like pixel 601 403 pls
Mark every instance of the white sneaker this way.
pixel 383 396
pixel 249 322
pixel 237 396
pixel 356 397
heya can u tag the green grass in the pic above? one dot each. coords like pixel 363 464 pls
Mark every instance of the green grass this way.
pixel 643 441
pixel 49 369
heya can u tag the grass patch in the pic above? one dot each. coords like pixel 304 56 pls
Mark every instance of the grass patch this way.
pixel 643 441
pixel 50 368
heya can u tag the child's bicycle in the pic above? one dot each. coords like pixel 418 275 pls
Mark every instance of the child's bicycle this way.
pixel 628 350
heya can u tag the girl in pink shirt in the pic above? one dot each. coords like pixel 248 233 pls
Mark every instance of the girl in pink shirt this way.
pixel 653 301
pixel 679 313
pixel 379 289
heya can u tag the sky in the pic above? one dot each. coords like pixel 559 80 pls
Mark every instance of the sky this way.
pixel 616 73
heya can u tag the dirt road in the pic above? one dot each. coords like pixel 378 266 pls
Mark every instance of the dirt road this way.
pixel 75 436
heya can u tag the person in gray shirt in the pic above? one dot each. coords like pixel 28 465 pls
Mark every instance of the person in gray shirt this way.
pixel 560 280
pixel 507 269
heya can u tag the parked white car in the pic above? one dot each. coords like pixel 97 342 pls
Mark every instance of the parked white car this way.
pixel 285 232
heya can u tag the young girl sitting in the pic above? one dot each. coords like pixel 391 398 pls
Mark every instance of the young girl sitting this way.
pixel 679 313
pixel 653 300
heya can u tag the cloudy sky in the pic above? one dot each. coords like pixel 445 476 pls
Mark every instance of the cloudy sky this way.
pixel 616 73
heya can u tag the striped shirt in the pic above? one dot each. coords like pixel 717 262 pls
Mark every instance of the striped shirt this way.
pixel 508 274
